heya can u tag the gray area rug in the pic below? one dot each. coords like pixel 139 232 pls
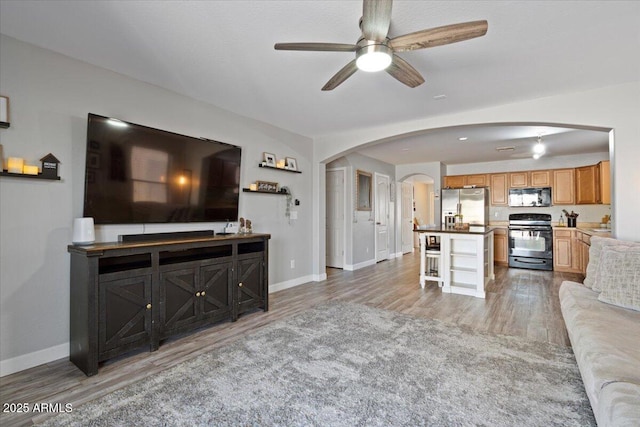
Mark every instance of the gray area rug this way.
pixel 343 364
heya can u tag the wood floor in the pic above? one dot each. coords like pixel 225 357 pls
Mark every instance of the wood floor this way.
pixel 519 303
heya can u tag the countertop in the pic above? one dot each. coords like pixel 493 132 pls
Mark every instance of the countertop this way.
pixel 473 229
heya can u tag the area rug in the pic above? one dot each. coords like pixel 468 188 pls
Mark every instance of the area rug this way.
pixel 342 364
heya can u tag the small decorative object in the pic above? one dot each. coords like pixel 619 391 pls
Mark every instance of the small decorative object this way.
pixel 4 111
pixel 242 224
pixel 15 164
pixel 291 164
pixel 280 164
pixel 83 231
pixel 49 166
pixel 247 226
pixel 571 218
pixel 269 159
pixel 30 170
pixel 267 186
pixel 253 187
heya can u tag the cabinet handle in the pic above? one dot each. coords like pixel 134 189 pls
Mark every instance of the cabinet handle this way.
pixel 202 293
pixel 197 294
pixel 149 306
pixel 240 284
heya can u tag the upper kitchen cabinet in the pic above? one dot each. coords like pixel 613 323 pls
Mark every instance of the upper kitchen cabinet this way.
pixel 499 189
pixel 563 192
pixel 592 184
pixel 518 179
pixel 540 178
pixel 459 181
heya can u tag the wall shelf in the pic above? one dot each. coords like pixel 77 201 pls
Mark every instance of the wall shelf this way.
pixel 280 169
pixel 22 175
pixel 248 190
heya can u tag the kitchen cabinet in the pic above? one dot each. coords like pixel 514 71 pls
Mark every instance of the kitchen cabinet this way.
pixel 562 252
pixel 540 178
pixel 498 189
pixel 587 185
pixel 130 295
pixel 500 246
pixel 593 184
pixel 605 182
pixel 518 179
pixel 563 190
pixel 459 181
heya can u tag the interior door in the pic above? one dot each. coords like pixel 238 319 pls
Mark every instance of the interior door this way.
pixel 335 221
pixel 382 217
pixel 407 217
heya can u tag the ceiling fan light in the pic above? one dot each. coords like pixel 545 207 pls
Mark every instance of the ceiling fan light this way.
pixel 373 57
pixel 536 156
pixel 539 148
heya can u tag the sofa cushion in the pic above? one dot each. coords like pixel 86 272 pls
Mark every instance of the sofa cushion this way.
pixel 597 243
pixel 618 276
pixel 604 340
pixel 619 405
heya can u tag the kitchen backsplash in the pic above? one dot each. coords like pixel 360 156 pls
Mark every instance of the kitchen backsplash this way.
pixel 587 213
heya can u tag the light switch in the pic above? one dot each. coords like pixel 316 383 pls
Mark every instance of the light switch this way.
pixel 294 214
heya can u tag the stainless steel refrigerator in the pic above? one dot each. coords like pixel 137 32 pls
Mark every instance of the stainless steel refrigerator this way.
pixel 472 203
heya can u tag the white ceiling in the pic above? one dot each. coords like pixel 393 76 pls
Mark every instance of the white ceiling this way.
pixel 221 52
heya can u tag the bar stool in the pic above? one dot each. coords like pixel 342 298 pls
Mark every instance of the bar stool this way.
pixel 433 258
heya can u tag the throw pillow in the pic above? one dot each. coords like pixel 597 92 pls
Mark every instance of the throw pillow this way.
pixel 618 276
pixel 597 243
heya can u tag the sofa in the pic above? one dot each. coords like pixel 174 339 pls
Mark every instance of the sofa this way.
pixel 602 316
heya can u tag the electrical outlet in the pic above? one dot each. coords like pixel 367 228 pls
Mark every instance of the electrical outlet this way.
pixel 293 263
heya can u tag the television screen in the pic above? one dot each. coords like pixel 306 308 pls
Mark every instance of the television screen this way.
pixel 136 174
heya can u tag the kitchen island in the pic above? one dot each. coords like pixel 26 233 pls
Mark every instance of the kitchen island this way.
pixel 460 261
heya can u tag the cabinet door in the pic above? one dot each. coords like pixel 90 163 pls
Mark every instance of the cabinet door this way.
pixel 563 187
pixel 215 290
pixel 250 283
pixel 587 185
pixel 479 180
pixel 562 250
pixel 178 290
pixel 605 182
pixel 518 179
pixel 500 246
pixel 540 178
pixel 124 314
pixel 454 181
pixel 498 189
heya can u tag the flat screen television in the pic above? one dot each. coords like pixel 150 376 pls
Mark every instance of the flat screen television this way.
pixel 136 174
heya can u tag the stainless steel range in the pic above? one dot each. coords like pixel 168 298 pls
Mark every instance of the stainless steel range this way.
pixel 530 241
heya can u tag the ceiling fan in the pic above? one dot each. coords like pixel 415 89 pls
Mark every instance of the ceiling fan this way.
pixel 375 51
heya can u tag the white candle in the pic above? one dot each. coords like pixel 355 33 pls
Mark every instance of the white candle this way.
pixel 30 170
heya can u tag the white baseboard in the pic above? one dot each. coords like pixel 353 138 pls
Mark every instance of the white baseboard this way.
pixel 351 267
pixel 291 283
pixel 396 255
pixel 26 361
pixel 319 277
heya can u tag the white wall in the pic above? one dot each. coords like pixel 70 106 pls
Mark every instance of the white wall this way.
pixel 614 107
pixel 50 97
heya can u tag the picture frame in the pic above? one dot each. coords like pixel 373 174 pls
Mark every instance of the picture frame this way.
pixel 291 164
pixel 271 187
pixel 4 109
pixel 363 190
pixel 269 159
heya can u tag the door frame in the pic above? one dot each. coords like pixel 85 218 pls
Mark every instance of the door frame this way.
pixel 344 216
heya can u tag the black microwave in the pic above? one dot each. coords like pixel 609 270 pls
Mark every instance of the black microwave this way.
pixel 530 197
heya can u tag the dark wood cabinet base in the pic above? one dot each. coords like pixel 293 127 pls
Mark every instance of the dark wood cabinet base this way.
pixel 130 295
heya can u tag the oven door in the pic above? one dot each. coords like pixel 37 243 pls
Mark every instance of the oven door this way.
pixel 531 242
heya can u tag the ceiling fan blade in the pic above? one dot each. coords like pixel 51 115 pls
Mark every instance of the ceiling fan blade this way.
pixel 329 47
pixel 376 17
pixel 342 75
pixel 439 36
pixel 404 73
